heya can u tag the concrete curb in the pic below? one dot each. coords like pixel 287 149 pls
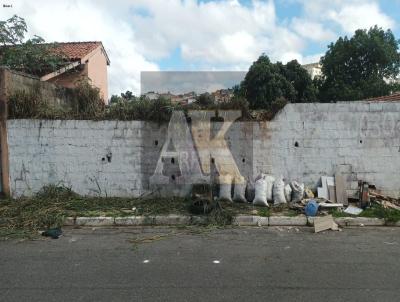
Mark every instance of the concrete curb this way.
pixel 94 221
pixel 359 221
pixel 285 220
pixel 240 220
pixel 353 221
pixel 248 220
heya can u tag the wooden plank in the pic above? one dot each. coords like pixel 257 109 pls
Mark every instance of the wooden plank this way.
pixel 323 190
pixel 332 193
pixel 364 201
pixel 330 181
pixel 341 195
pixel 330 205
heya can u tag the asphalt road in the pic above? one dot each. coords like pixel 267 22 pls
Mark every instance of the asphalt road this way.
pixel 241 264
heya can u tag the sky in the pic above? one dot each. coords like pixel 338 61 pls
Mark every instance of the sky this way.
pixel 194 35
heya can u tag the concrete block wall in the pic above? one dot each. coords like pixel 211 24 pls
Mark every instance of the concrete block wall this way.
pixel 104 158
pixel 94 158
pixel 305 141
pixel 52 93
pixel 239 139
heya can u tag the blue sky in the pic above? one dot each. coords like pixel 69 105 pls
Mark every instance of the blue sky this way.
pixel 192 35
pixel 286 10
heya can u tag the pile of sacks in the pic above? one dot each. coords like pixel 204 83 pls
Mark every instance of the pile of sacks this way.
pixel 267 189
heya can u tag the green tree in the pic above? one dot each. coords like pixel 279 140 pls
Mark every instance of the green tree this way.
pixel 306 91
pixel 27 55
pixel 205 99
pixel 263 84
pixel 266 82
pixel 360 67
pixel 115 99
pixel 128 95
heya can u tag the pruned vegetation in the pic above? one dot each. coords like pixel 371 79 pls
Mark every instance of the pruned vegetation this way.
pixel 86 104
pixel 49 208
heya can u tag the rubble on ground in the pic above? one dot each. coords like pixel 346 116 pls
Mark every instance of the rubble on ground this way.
pixel 330 197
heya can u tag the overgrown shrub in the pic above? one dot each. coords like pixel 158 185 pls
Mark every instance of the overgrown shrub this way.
pixel 159 110
pixel 56 192
pixel 237 103
pixel 269 113
pixel 86 101
pixel 30 104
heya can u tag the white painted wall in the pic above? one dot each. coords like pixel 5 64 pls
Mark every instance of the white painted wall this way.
pixel 362 136
pixel 71 153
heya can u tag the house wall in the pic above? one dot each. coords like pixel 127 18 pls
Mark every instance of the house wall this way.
pixel 303 142
pixel 71 77
pixel 95 68
pixel 97 72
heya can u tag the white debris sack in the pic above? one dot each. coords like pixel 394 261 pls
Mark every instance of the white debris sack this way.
pixel 278 191
pixel 225 187
pixel 239 191
pixel 288 193
pixel 260 192
pixel 270 183
pixel 261 175
pixel 297 191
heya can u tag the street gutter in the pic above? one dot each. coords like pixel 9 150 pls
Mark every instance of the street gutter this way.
pixel 240 220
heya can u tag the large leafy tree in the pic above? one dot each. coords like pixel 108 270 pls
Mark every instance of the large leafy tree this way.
pixel 266 82
pixel 360 67
pixel 301 80
pixel 27 55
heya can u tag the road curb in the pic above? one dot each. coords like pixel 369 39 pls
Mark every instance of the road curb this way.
pixel 249 220
pixel 359 221
pixel 94 221
pixel 287 220
pixel 240 220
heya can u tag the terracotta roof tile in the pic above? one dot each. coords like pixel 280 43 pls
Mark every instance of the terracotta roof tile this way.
pixel 395 97
pixel 76 50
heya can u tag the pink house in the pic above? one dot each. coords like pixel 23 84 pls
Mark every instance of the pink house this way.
pixel 87 59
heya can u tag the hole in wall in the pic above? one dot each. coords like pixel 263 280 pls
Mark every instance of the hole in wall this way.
pixel 216 119
pixel 173 177
pixel 109 156
pixel 212 160
pixel 103 159
pixel 156 142
pixel 296 144
pixel 243 160
pixel 360 141
pixel 172 160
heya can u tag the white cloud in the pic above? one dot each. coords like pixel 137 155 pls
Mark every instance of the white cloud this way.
pixel 353 17
pixel 348 14
pixel 213 35
pixel 312 30
pixel 223 32
pixel 311 58
pixel 88 21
